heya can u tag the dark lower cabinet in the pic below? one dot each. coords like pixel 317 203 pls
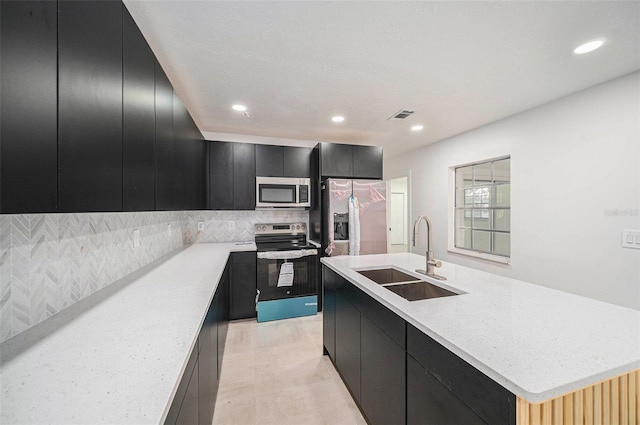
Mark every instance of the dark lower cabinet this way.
pixel 396 373
pixel 429 402
pixel 183 388
pixel 28 107
pixel 347 357
pixel 383 378
pixel 243 285
pixel 195 398
pixel 90 105
pixel 329 312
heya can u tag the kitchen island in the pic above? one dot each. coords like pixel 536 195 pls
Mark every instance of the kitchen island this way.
pixel 563 357
pixel 119 355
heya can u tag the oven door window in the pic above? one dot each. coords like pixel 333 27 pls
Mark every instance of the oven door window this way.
pixel 277 194
pixel 269 274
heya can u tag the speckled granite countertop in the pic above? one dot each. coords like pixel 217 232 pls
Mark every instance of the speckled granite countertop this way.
pixel 117 356
pixel 537 342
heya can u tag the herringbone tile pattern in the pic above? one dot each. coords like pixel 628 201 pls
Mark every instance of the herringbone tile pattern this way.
pixel 50 261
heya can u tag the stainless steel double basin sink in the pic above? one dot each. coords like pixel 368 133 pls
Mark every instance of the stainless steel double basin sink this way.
pixel 408 287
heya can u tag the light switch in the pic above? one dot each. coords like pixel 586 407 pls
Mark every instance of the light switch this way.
pixel 631 239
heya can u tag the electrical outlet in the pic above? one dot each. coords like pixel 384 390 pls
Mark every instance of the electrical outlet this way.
pixel 169 229
pixel 231 225
pixel 631 239
pixel 136 238
pixel 201 225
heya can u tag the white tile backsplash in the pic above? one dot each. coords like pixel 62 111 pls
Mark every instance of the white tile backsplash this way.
pixel 51 261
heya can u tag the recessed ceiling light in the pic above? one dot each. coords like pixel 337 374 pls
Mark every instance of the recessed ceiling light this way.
pixel 337 118
pixel 588 47
pixel 239 108
pixel 417 127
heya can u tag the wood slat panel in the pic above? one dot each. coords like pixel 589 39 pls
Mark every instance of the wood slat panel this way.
pixel 612 402
pixel 597 404
pixel 588 405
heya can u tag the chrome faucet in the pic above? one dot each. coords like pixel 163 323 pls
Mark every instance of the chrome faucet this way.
pixel 431 262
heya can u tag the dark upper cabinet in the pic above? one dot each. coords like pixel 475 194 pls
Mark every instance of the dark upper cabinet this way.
pixel 244 176
pixel 283 161
pixel 269 161
pixel 350 161
pixel 138 120
pixel 243 285
pixel 90 105
pixel 164 140
pixel 367 162
pixel 336 160
pixel 220 176
pixel 297 161
pixel 28 107
pixel 180 154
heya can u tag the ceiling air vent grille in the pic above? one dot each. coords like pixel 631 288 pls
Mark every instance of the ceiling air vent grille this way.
pixel 400 115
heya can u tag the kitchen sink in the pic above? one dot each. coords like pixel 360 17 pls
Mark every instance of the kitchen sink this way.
pixel 419 291
pixel 387 275
pixel 408 287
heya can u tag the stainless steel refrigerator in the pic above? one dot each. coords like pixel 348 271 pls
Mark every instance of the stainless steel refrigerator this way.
pixel 355 217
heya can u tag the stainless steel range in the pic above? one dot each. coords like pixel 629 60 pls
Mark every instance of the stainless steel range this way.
pixel 287 270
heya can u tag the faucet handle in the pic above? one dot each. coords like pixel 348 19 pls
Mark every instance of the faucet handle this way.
pixel 435 263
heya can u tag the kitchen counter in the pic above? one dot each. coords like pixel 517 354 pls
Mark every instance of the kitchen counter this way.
pixel 118 355
pixel 537 342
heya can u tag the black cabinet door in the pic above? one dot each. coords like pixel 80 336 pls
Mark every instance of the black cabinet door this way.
pixel 367 162
pixel 207 367
pixel 347 357
pixel 90 105
pixel 488 399
pixel 222 307
pixel 28 107
pixel 196 175
pixel 243 285
pixel 336 160
pixel 220 171
pixel 269 161
pixel 383 376
pixel 244 176
pixel 138 120
pixel 297 162
pixel 180 153
pixel 189 410
pixel 164 140
pixel 329 312
pixel 183 387
pixel 431 403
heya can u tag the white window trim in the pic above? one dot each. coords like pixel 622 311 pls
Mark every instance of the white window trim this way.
pixel 451 225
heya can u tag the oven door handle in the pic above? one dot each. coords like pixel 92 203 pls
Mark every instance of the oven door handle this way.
pixel 287 255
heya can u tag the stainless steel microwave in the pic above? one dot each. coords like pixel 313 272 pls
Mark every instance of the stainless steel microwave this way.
pixel 283 192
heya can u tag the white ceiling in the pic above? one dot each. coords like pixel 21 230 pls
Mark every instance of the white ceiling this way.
pixel 458 64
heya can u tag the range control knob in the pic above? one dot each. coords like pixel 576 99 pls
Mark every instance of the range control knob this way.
pixel 297 227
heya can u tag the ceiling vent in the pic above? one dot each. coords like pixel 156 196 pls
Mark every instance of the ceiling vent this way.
pixel 400 115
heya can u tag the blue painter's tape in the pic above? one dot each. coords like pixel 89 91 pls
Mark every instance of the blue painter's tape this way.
pixel 287 308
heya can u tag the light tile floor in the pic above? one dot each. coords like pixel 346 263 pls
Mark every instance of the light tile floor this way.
pixel 275 373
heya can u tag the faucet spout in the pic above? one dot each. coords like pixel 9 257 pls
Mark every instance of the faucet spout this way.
pixel 431 261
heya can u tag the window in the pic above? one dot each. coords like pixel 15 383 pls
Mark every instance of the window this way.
pixel 482 210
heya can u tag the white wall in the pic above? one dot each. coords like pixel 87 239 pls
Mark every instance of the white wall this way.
pixel 575 187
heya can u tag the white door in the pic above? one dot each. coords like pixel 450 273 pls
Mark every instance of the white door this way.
pixel 397 219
